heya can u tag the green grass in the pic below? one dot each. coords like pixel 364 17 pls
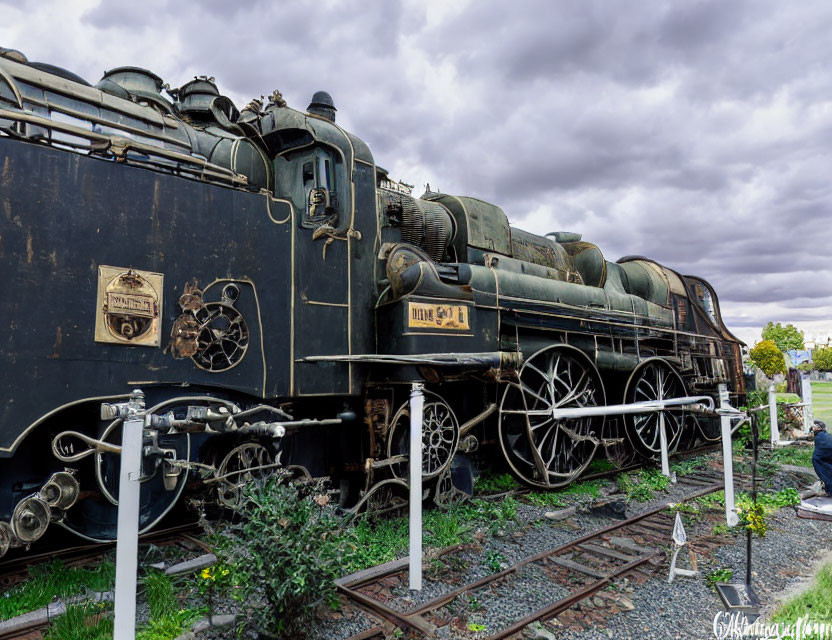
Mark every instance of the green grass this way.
pixel 599 465
pixel 385 540
pixel 54 580
pixel 590 488
pixel 641 486
pixel 799 456
pixel 167 621
pixel 82 622
pixel 688 466
pixel 490 482
pixel 822 402
pixel 815 603
pixel 545 499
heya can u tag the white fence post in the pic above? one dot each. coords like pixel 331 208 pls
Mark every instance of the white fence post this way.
pixel 417 403
pixel 127 544
pixel 806 393
pixel 772 414
pixel 663 443
pixel 727 458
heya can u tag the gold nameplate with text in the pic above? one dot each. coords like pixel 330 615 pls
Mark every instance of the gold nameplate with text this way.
pixel 129 307
pixel 438 316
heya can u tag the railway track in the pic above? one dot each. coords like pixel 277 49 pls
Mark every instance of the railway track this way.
pixel 15 569
pixel 581 567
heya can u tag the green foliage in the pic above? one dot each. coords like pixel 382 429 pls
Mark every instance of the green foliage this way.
pixel 798 456
pixel 599 465
pixel 768 358
pixel 167 621
pixel 814 603
pixel 495 560
pixel 640 487
pixel 170 626
pixel 719 575
pixel 290 549
pixel 685 467
pixel 54 580
pixel 83 622
pixel 382 541
pixel 545 499
pixel 490 482
pixel 822 358
pixel 785 338
pixel 591 488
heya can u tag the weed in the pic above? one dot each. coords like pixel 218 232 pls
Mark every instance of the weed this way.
pixel 723 529
pixel 475 627
pixel 590 488
pixel 719 575
pixel 599 465
pixel 545 499
pixel 685 467
pixel 490 482
pixel 495 560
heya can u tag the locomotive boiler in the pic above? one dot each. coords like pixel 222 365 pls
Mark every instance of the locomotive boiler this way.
pixel 274 293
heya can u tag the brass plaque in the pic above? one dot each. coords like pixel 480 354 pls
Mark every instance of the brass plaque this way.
pixel 129 307
pixel 438 316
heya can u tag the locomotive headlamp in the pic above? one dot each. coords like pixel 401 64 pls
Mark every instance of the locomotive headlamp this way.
pixel 30 519
pixel 60 491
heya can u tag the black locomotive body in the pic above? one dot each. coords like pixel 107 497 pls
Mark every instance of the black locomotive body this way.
pixel 274 294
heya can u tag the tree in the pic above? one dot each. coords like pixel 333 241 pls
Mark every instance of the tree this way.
pixel 822 358
pixel 768 357
pixel 786 338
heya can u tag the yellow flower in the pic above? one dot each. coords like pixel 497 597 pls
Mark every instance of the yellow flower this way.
pixel 206 574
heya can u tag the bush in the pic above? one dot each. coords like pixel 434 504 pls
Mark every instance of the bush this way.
pixel 768 357
pixel 289 547
pixel 822 358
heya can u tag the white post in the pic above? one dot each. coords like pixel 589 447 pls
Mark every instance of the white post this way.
pixel 663 443
pixel 127 544
pixel 772 414
pixel 806 393
pixel 417 403
pixel 727 458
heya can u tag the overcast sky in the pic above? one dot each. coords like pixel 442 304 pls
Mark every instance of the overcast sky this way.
pixel 695 133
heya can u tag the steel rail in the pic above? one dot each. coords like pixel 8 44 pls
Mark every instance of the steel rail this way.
pixel 416 614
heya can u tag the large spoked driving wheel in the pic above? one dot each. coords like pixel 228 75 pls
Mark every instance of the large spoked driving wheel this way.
pixel 545 451
pixel 652 380
pixel 440 437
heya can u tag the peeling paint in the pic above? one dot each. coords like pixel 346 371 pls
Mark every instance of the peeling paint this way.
pixel 30 252
pixel 56 348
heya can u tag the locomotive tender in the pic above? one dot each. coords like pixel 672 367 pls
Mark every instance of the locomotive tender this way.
pixel 274 294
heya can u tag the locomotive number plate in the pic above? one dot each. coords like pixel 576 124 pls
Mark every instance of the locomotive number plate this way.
pixel 438 316
pixel 128 305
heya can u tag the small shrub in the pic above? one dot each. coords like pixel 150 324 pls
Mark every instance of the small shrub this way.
pixel 768 357
pixel 291 549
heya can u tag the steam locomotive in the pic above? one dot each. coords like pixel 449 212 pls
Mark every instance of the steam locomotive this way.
pixel 272 294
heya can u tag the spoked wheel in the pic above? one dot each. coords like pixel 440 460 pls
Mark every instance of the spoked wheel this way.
pixel 544 451
pixel 654 379
pixel 243 464
pixel 440 437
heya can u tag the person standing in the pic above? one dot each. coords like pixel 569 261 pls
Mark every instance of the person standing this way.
pixel 822 457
